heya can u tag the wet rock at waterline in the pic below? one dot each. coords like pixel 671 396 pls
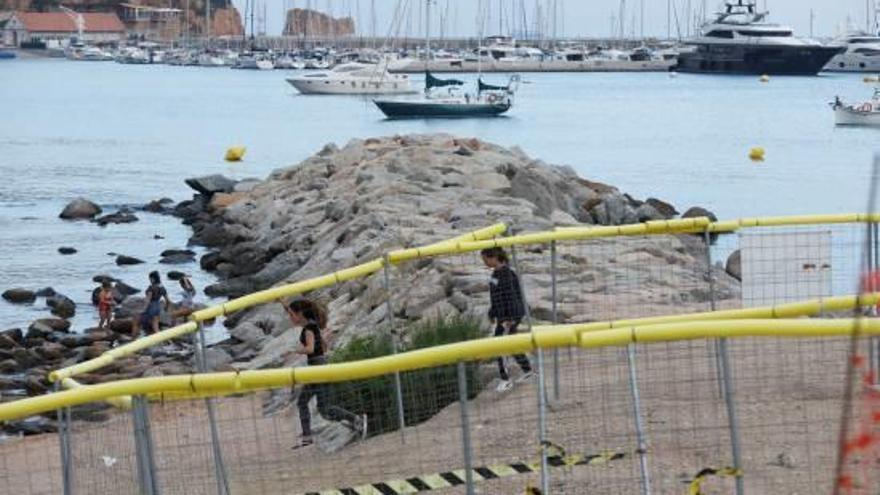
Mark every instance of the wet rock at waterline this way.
pixel 80 209
pixel 67 250
pixel 116 218
pixel 61 306
pixel 127 260
pixel 19 295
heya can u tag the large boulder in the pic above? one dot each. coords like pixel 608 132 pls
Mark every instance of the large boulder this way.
pixel 733 267
pixel 61 306
pixel 210 184
pixel 80 208
pixel 19 295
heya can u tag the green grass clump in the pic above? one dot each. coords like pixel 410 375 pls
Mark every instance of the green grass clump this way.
pixel 425 392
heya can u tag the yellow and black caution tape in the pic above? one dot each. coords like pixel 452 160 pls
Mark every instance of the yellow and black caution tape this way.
pixel 484 473
pixel 696 484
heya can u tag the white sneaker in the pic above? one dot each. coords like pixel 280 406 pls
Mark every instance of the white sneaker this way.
pixel 504 386
pixel 526 377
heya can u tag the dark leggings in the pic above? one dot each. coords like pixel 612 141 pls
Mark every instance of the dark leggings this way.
pixel 521 359
pixel 325 408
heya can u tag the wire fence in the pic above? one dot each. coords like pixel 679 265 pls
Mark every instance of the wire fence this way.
pixel 756 415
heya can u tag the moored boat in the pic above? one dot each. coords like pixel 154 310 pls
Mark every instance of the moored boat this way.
pixel 866 113
pixel 352 79
pixel 489 101
pixel 738 41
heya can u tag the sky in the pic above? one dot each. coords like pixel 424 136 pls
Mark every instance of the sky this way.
pixel 576 18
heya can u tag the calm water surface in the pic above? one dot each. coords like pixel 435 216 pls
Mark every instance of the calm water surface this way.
pixel 128 134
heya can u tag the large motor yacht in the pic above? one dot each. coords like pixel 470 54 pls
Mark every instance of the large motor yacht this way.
pixel 862 53
pixel 352 79
pixel 738 41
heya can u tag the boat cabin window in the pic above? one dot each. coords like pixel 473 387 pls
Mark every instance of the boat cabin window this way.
pixel 765 34
pixel 720 34
pixel 864 40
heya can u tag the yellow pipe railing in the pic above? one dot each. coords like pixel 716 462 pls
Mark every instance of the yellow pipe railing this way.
pixel 215 384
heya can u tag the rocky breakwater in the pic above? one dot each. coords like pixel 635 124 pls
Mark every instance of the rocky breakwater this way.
pixel 345 206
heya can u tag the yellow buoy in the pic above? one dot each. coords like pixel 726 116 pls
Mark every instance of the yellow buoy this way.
pixel 235 153
pixel 756 154
pixel 765 78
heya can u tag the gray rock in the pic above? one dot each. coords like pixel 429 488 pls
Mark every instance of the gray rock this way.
pixel 698 211
pixel 45 292
pixel 163 205
pixel 175 275
pixel 116 218
pixel 80 208
pixel 67 250
pixel 210 184
pixel 54 324
pixel 246 185
pixel 733 267
pixel 12 334
pixel 178 259
pixel 662 207
pixel 61 306
pixel 122 260
pixel 19 296
pixel 216 359
pixel 177 252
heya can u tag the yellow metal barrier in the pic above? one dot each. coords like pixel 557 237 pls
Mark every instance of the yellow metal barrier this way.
pixel 230 382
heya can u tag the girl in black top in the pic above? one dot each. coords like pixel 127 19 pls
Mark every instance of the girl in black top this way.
pixel 312 318
pixel 149 317
pixel 506 308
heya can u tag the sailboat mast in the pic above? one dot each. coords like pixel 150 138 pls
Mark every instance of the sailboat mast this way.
pixel 427 31
pixel 208 21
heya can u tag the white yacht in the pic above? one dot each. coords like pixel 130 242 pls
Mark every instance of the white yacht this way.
pixel 352 79
pixel 739 41
pixel 862 53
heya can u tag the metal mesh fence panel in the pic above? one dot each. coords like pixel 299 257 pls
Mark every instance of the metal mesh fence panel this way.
pixel 30 465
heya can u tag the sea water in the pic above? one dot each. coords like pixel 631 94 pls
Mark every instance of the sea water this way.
pixel 127 134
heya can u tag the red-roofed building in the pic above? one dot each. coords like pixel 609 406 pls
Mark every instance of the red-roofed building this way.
pixel 30 27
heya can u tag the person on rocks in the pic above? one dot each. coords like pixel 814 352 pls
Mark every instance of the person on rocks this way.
pixel 506 309
pixel 187 302
pixel 106 302
pixel 149 318
pixel 311 317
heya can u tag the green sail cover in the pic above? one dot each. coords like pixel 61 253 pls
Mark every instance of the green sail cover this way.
pixel 481 86
pixel 433 82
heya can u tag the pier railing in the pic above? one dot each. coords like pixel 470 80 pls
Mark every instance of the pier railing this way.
pixel 659 370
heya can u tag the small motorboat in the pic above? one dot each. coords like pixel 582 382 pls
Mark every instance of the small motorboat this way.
pixel 6 54
pixel 866 113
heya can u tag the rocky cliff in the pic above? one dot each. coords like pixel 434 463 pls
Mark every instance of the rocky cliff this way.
pixel 348 205
pixel 303 22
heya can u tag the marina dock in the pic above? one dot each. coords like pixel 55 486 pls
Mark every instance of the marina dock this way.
pixel 591 65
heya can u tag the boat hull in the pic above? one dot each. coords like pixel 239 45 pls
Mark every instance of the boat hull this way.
pixel 853 63
pixel 756 60
pixel 331 87
pixel 848 116
pixel 404 109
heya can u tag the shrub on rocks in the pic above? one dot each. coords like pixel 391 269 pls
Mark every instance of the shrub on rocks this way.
pixel 426 391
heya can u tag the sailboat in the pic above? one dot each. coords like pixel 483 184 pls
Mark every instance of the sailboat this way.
pixel 489 101
pixel 445 98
